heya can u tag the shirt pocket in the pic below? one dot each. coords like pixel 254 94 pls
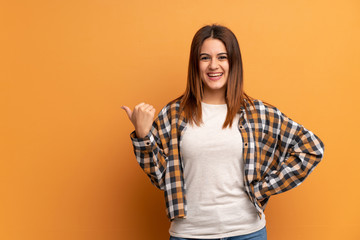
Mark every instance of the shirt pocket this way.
pixel 269 154
pixel 268 143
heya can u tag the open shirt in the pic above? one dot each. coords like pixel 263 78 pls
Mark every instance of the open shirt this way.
pixel 278 154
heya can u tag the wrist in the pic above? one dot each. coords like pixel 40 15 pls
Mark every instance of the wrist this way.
pixel 140 134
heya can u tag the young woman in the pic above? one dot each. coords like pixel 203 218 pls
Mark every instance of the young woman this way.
pixel 217 153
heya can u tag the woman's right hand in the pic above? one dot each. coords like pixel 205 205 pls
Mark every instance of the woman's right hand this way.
pixel 141 117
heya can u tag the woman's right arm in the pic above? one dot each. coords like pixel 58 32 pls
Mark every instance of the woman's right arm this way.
pixel 150 149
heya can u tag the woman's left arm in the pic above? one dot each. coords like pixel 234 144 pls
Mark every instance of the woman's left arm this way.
pixel 300 151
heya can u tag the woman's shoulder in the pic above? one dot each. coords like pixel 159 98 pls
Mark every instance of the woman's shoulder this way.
pixel 260 109
pixel 171 108
pixel 175 103
pixel 258 104
pixel 255 104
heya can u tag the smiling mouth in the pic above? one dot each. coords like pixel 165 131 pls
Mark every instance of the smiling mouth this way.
pixel 215 74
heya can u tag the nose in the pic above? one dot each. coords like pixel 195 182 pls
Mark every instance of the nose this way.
pixel 214 64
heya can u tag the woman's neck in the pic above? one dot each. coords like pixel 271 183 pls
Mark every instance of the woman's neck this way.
pixel 215 97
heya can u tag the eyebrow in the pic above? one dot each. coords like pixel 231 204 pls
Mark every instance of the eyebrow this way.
pixel 216 54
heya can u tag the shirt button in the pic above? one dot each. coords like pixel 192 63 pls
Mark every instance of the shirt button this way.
pixel 245 144
pixel 147 143
pixel 241 127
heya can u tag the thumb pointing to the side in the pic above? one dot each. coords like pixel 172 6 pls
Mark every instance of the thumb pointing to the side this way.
pixel 128 111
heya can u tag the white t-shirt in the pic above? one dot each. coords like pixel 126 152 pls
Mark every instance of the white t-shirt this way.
pixel 217 204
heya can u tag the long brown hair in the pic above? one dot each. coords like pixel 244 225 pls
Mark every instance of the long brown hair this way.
pixel 234 96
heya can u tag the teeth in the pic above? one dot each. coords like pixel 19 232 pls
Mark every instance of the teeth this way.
pixel 214 74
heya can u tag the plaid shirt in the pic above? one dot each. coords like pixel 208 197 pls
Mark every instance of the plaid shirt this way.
pixel 278 154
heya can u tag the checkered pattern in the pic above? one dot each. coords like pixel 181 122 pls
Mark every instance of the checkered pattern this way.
pixel 278 154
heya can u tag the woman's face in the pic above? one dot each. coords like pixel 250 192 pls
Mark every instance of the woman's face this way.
pixel 214 65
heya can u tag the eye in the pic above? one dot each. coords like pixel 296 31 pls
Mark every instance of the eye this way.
pixel 223 57
pixel 204 58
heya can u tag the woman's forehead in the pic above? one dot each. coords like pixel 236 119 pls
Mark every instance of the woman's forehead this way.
pixel 212 45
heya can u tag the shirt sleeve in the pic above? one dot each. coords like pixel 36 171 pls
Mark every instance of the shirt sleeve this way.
pixel 299 151
pixel 151 150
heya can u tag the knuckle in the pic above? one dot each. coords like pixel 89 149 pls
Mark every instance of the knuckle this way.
pixel 139 105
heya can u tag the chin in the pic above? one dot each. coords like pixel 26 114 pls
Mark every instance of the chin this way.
pixel 216 86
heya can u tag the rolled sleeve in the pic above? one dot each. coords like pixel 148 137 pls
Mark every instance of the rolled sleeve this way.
pixel 145 144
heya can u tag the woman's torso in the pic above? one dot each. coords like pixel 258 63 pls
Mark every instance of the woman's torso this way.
pixel 213 171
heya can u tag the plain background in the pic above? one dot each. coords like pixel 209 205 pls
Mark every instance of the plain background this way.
pixel 67 168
